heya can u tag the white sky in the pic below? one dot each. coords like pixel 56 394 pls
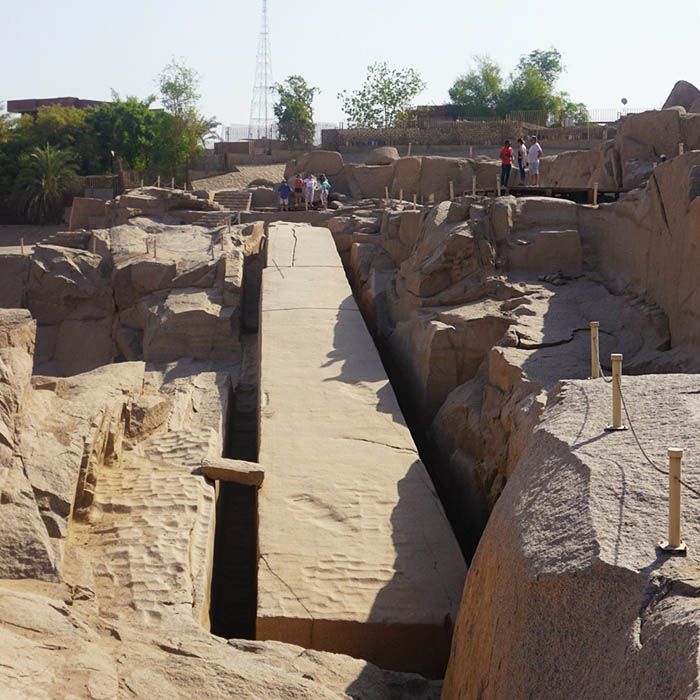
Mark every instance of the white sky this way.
pixel 612 48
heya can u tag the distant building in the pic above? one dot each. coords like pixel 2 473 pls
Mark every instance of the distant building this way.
pixel 31 106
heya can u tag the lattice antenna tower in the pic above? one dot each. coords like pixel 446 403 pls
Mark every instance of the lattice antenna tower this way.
pixel 261 104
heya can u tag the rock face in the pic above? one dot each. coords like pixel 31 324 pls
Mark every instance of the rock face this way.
pixel 148 291
pixel 588 608
pixel 684 94
pixel 627 161
pixel 109 519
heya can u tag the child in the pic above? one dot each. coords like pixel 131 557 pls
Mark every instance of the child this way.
pixel 325 189
pixel 284 189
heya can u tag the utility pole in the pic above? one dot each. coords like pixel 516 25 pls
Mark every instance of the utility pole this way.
pixel 259 124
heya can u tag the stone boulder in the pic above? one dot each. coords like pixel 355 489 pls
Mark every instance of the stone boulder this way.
pixel 328 163
pixel 190 322
pixel 684 94
pixel 589 608
pixel 406 178
pixel 647 135
pixel 436 174
pixel 70 296
pixel 372 180
pixel 385 155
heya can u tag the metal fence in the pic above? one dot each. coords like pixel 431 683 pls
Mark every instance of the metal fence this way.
pixel 241 132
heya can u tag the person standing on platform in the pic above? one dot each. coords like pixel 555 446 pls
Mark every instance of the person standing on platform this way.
pixel 533 160
pixel 325 190
pixel 506 163
pixel 522 160
pixel 310 184
pixel 298 190
pixel 284 189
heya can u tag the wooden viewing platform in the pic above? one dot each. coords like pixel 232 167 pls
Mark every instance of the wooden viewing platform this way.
pixel 580 195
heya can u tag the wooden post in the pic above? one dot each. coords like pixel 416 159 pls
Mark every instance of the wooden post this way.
pixel 93 244
pixel 595 356
pixel 21 245
pixel 409 150
pixel 228 220
pixel 158 181
pixel 674 543
pixel 172 183
pixel 471 151
pixel 595 194
pixel 155 250
pixel 148 251
pixel 473 184
pixel 141 183
pixel 681 149
pixel 415 203
pixel 498 186
pixel 401 194
pixel 452 190
pixel 386 194
pixel 617 393
pixel 239 217
pixel 431 199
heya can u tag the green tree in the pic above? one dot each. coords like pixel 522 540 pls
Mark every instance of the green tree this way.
pixel 478 92
pixel 185 132
pixel 385 96
pixel 547 63
pixel 129 128
pixel 529 88
pixel 294 111
pixel 44 178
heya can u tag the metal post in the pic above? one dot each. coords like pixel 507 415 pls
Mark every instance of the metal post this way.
pixel 452 190
pixel 595 194
pixel 674 542
pixel 595 350
pixel 473 184
pixel 617 393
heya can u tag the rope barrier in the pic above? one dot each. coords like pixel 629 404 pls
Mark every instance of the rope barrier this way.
pixel 694 491
pixel 602 374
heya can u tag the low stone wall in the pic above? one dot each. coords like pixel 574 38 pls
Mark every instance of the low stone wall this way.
pixel 460 133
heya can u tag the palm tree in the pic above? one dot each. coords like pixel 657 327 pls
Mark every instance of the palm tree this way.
pixel 45 176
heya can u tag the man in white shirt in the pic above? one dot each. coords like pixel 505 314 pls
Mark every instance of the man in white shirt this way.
pixel 533 160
